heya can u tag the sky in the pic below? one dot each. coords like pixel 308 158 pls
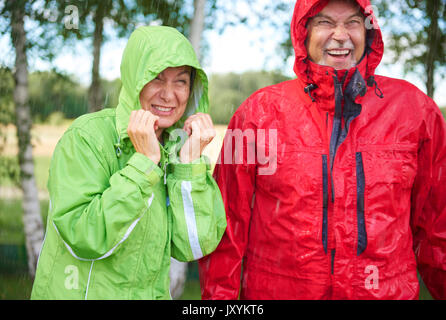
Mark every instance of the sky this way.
pixel 239 48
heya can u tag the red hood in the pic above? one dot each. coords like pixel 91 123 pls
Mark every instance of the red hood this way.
pixel 306 70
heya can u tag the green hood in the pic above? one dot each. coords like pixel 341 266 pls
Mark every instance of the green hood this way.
pixel 149 51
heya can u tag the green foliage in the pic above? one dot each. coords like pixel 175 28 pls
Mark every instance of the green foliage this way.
pixel 191 290
pixel 54 96
pixel 9 171
pixel 11 224
pixel 15 286
pixel 228 91
pixel 6 96
pixel 417 32
pixel 9 168
pixel 50 91
pixel 124 15
pixel 41 170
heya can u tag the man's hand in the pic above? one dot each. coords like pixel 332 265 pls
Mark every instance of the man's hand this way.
pixel 141 131
pixel 201 131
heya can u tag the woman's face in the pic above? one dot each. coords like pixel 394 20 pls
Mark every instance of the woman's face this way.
pixel 166 96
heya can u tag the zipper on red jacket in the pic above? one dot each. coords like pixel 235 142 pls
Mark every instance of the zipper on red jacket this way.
pixel 328 241
pixel 335 141
pixel 339 131
pixel 325 202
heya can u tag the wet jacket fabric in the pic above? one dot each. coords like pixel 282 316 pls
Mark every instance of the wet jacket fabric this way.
pixel 357 198
pixel 115 217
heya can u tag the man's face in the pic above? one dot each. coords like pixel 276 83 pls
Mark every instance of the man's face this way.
pixel 166 96
pixel 337 35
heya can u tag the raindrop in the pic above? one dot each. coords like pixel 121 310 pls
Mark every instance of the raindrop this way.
pixel 283 148
pixel 277 206
pixel 236 227
pixel 106 99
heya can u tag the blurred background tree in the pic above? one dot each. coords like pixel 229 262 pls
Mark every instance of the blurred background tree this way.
pixel 228 91
pixel 15 13
pixel 419 42
pixel 86 19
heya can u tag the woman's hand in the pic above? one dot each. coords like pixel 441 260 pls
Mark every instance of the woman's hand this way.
pixel 201 131
pixel 141 131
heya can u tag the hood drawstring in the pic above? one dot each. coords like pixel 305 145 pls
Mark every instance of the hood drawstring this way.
pixel 372 82
pixel 118 147
pixel 122 147
pixel 310 88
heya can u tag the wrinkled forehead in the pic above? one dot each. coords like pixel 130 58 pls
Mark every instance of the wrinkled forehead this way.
pixel 350 7
pixel 338 9
pixel 177 71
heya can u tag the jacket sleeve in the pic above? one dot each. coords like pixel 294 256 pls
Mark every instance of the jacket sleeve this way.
pixel 196 209
pixel 429 203
pixel 92 208
pixel 220 272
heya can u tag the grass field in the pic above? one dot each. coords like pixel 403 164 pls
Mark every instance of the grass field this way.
pixel 19 286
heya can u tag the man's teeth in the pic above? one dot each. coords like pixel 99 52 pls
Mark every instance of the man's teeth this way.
pixel 162 108
pixel 338 52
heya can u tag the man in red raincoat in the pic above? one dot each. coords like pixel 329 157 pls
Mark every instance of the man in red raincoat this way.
pixel 346 197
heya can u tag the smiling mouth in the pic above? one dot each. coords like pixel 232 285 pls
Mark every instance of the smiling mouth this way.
pixel 339 53
pixel 162 109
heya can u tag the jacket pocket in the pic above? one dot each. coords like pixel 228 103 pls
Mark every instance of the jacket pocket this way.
pixel 388 176
pixel 390 165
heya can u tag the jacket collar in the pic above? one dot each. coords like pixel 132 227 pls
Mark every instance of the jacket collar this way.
pixel 319 82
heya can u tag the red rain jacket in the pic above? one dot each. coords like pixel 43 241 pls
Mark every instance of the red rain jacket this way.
pixel 357 200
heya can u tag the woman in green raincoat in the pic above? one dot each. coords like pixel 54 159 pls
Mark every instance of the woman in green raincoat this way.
pixel 129 187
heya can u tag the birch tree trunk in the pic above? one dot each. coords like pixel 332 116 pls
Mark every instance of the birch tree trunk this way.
pixel 178 270
pixel 197 26
pixel 32 219
pixel 95 90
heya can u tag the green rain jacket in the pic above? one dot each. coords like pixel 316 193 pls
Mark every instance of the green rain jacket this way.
pixel 116 218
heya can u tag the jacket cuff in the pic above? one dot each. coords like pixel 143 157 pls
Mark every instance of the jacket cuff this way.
pixel 188 171
pixel 146 166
